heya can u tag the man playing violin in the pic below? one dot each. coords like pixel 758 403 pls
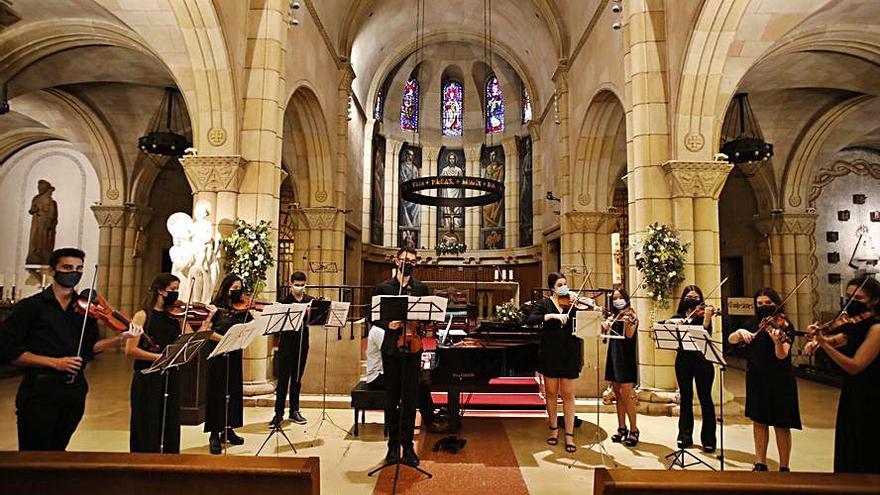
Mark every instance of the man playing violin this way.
pixel 43 335
pixel 293 350
pixel 401 369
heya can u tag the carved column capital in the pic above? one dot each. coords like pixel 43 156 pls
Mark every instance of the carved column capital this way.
pixel 316 218
pixel 589 222
pixel 697 179
pixel 214 173
pixel 110 216
pixel 798 223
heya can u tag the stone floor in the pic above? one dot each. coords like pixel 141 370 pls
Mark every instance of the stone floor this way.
pixel 502 453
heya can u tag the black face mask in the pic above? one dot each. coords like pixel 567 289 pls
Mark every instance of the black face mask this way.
pixel 171 297
pixel 856 308
pixel 407 269
pixel 765 311
pixel 235 295
pixel 68 279
pixel 691 303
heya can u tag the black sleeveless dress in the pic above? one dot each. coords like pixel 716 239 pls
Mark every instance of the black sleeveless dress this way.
pixel 560 354
pixel 215 402
pixel 621 363
pixel 771 386
pixel 147 393
pixel 856 436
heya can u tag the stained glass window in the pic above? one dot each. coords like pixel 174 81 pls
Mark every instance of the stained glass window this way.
pixel 409 107
pixel 526 105
pixel 494 106
pixel 452 108
pixel 380 105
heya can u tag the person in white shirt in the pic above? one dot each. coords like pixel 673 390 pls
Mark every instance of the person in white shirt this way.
pixel 374 377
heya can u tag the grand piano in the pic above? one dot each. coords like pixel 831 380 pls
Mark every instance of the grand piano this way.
pixel 466 364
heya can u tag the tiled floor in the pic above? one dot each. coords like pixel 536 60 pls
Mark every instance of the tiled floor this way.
pixel 508 454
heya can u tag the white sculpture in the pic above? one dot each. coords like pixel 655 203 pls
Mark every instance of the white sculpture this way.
pixel 181 253
pixel 206 254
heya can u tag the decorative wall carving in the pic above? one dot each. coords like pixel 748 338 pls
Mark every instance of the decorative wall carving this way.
pixel 697 179
pixel 214 173
pixel 590 221
pixel 840 168
pixel 316 218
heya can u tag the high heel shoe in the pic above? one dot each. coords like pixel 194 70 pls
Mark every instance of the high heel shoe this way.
pixel 570 447
pixel 554 439
pixel 632 439
pixel 621 435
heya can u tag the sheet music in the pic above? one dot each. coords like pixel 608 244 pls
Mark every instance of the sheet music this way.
pixel 238 337
pixel 279 318
pixel 179 352
pixel 338 316
pixel 667 336
pixel 424 308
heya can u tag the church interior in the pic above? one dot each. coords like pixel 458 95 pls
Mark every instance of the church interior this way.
pixel 506 149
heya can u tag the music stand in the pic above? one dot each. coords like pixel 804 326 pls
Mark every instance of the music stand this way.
pixel 679 337
pixel 713 352
pixel 328 314
pixel 175 355
pixel 405 308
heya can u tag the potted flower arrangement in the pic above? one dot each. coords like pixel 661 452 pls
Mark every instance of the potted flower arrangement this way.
pixel 249 254
pixel 660 260
pixel 508 313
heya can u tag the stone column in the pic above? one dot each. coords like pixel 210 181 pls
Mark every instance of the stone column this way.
pixel 392 172
pixel 137 218
pixel 511 193
pixel 587 233
pixel 430 154
pixel 118 226
pixel 318 233
pixel 472 217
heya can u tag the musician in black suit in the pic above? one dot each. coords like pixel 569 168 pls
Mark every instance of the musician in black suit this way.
pixel 401 369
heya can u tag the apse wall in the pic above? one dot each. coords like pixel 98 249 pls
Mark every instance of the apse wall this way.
pixel 76 190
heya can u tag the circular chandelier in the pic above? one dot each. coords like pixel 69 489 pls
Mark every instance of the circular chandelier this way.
pixel 411 190
pixel 165 141
pixel 743 142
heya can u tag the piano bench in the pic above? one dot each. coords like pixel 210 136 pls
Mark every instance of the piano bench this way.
pixel 363 399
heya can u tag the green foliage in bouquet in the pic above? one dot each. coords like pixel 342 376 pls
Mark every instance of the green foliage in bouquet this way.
pixel 660 259
pixel 249 254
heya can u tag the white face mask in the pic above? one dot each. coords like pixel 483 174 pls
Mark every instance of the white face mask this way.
pixel 562 290
pixel 619 303
pixel 299 289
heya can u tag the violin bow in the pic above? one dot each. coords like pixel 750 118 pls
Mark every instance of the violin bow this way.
pixel 784 300
pixel 848 302
pixel 188 302
pixel 688 317
pixel 583 284
pixel 618 315
pixel 82 332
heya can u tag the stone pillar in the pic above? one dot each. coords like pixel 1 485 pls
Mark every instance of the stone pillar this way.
pixel 587 233
pixel 118 226
pixel 137 218
pixel 511 193
pixel 472 217
pixel 430 155
pixel 392 172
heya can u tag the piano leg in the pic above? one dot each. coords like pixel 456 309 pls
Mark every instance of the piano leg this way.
pixel 454 400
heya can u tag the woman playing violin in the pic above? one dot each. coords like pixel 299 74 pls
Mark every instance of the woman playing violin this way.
pixel 621 368
pixel 855 349
pixel 558 357
pixel 771 387
pixel 692 366
pixel 219 421
pixel 147 391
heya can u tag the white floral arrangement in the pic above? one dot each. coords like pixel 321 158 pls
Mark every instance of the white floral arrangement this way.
pixel 660 260
pixel 450 247
pixel 249 254
pixel 508 313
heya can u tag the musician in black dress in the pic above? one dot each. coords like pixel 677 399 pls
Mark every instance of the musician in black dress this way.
pixel 401 369
pixel 148 391
pixel 693 366
pixel 771 387
pixel 855 349
pixel 293 350
pixel 559 358
pixel 225 372
pixel 621 365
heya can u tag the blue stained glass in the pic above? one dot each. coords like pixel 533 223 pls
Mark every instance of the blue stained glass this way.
pixel 494 106
pixel 452 110
pixel 526 105
pixel 409 107
pixel 380 105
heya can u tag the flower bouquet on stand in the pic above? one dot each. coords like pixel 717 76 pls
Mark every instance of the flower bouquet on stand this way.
pixel 249 254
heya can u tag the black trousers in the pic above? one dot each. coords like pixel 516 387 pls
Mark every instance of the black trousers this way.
pixel 691 366
pixel 291 366
pixel 48 411
pixel 426 402
pixel 401 371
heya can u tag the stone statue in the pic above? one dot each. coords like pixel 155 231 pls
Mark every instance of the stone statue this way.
pixel 492 213
pixel 181 253
pixel 206 254
pixel 410 213
pixel 44 219
pixel 452 215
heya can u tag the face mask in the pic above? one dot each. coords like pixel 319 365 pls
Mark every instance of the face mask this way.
pixel 619 304
pixel 299 289
pixel 171 297
pixel 407 269
pixel 68 279
pixel 691 303
pixel 856 308
pixel 765 311
pixel 235 295
pixel 562 291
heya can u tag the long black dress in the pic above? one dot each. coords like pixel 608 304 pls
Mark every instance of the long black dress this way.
pixel 560 353
pixel 215 402
pixel 147 393
pixel 856 436
pixel 771 386
pixel 621 364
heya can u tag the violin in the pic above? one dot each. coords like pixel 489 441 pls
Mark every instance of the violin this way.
pixel 844 319
pixel 570 299
pixel 249 303
pixel 776 321
pixel 192 312
pixel 410 338
pixel 112 318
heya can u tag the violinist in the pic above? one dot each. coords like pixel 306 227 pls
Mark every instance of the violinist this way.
pixel 148 391
pixel 558 357
pixel 692 366
pixel 293 350
pixel 225 372
pixel 621 368
pixel 401 369
pixel 855 348
pixel 42 335
pixel 771 387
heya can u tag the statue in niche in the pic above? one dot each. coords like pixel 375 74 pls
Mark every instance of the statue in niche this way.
pixel 452 217
pixel 44 219
pixel 493 169
pixel 410 213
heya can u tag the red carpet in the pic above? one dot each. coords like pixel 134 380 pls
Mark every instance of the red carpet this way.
pixel 486 465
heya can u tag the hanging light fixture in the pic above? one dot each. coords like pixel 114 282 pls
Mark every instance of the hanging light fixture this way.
pixel 164 140
pixel 741 138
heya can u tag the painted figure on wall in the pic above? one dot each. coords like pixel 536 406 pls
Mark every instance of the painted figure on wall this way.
pixel 377 194
pixel 451 217
pixel 493 168
pixel 44 219
pixel 409 215
pixel 525 192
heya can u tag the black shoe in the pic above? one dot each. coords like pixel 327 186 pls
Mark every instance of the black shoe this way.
pixel 633 439
pixel 276 421
pixel 409 456
pixel 214 443
pixel 709 449
pixel 684 441
pixel 784 469
pixel 759 467
pixel 392 455
pixel 297 418
pixel 621 435
pixel 232 438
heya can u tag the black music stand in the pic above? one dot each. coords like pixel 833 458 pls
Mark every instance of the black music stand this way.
pixel 325 313
pixel 398 308
pixel 175 355
pixel 679 337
